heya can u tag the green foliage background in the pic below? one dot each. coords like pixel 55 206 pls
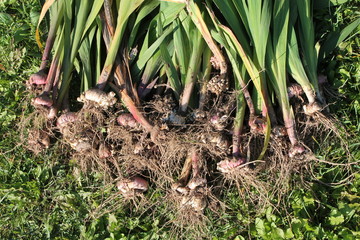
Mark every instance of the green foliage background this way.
pixel 42 198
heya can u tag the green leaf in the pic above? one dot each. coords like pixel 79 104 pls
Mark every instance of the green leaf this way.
pixel 239 238
pixel 335 38
pixel 144 11
pixel 327 3
pixel 260 227
pixel 289 234
pixel 347 234
pixel 269 215
pixel 308 201
pixel 182 43
pixel 22 33
pixel 143 58
pixel 277 233
pixel 171 71
pixel 228 9
pixel 112 223
pixel 347 210
pixel 295 66
pixel 307 41
pixel 34 17
pixel 336 218
pixel 125 9
pixel 72 41
pixel 97 5
pixel 296 226
pixel 5 19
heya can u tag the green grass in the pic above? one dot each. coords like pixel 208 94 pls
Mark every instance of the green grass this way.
pixel 42 198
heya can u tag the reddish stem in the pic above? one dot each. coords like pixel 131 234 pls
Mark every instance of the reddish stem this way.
pixel 290 127
pixel 51 75
pixel 56 82
pixel 195 164
pixel 49 45
pixel 130 105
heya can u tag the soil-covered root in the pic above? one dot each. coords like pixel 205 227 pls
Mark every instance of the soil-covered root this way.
pixel 89 162
pixel 131 187
pixel 82 130
pixel 137 205
pixel 280 167
pixel 65 119
pixel 257 125
pixel 36 131
pixel 38 78
pixel 128 120
pixel 98 97
pixel 249 184
pixel 43 100
pixel 189 198
pixel 160 110
pixel 137 152
pixel 316 128
pixel 37 140
pixel 185 213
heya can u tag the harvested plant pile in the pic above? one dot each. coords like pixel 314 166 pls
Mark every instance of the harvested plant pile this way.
pixel 182 95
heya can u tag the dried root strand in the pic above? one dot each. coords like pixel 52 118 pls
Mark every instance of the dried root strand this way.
pixel 38 140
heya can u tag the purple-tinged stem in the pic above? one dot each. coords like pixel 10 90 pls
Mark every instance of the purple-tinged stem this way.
pixel 48 47
pixel 195 164
pixel 56 82
pixel 51 75
pixel 54 24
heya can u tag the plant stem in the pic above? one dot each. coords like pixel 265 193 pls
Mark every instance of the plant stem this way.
pixel 186 171
pixel 193 69
pixel 238 125
pixel 51 75
pixel 56 82
pixel 108 35
pixel 195 163
pixel 54 25
pixel 125 9
pixel 197 18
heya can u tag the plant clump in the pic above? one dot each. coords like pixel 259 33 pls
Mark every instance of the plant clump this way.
pixel 195 94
